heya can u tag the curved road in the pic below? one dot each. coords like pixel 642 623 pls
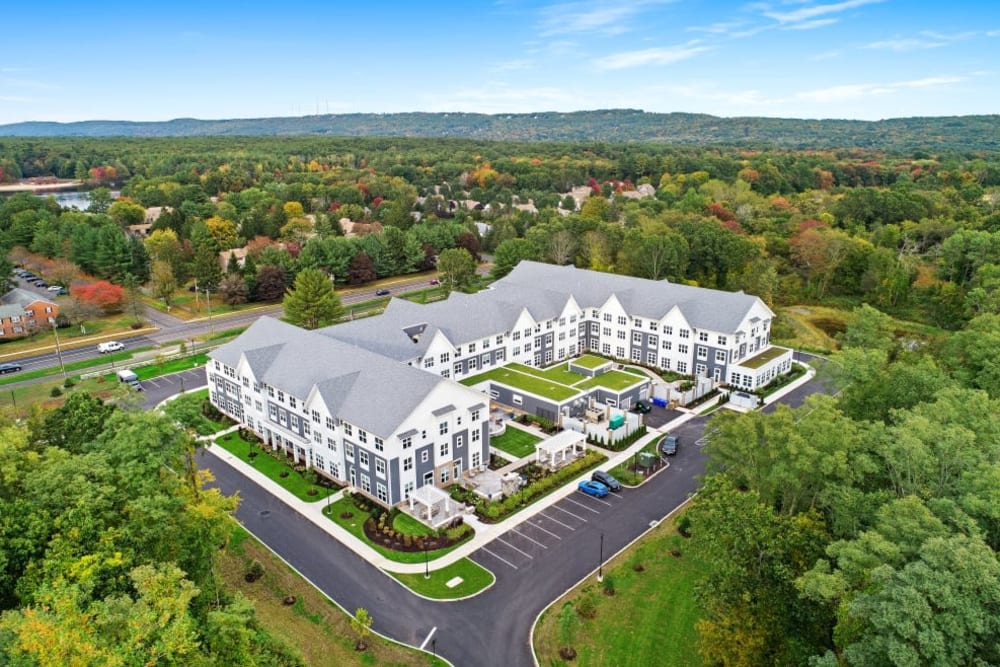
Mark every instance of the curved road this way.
pixel 533 563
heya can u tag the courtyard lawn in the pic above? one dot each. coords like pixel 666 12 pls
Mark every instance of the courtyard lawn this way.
pixel 590 361
pixel 354 524
pixel 475 578
pixel 558 373
pixel 293 481
pixel 528 383
pixel 515 442
pixel 650 620
pixel 613 380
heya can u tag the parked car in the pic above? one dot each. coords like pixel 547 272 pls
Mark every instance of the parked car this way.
pixel 668 445
pixel 62 292
pixel 607 480
pixel 642 407
pixel 592 488
pixel 110 346
pixel 381 292
pixel 40 283
pixel 54 288
pixel 9 368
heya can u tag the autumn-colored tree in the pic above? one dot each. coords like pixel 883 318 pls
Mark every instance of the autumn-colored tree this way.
pixel 223 231
pixel 361 270
pixel 162 282
pixel 109 298
pixel 233 289
pixel 255 246
pixel 271 283
pixel 127 212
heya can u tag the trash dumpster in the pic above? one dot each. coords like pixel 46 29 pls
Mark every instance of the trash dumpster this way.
pixel 616 422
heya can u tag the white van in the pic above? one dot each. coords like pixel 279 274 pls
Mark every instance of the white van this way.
pixel 110 346
pixel 129 378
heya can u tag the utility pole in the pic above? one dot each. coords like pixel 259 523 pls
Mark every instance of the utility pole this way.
pixel 58 347
pixel 208 304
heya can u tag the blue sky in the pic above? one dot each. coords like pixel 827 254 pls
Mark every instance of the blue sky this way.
pixel 862 59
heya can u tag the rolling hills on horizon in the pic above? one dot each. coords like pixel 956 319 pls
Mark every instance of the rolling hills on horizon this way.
pixel 972 133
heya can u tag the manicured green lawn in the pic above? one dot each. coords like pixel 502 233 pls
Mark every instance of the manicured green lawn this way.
pixel 293 482
pixel 515 442
pixel 406 524
pixel 355 525
pixel 475 578
pixel 172 366
pixel 524 382
pixel 558 373
pixel 590 361
pixel 614 380
pixel 649 621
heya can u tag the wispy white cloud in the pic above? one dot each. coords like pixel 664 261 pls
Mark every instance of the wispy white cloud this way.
pixel 718 28
pixel 663 55
pixel 813 11
pixel 612 18
pixel 859 90
pixel 513 65
pixel 900 45
pixel 826 55
pixel 15 99
pixel 810 25
pixel 26 83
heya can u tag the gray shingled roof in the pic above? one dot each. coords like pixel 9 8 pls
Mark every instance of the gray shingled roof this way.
pixel 359 386
pixel 11 311
pixel 22 297
pixel 710 309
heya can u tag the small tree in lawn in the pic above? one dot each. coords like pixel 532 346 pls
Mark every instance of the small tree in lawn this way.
pixel 162 283
pixel 361 624
pixel 312 303
pixel 457 268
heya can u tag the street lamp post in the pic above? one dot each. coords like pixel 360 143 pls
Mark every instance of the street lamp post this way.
pixel 427 570
pixel 208 305
pixel 600 564
pixel 58 347
pixel 434 646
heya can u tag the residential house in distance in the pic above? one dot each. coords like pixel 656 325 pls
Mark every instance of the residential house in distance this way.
pixel 23 312
pixel 381 402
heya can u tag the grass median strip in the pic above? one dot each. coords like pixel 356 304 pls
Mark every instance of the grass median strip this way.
pixel 474 579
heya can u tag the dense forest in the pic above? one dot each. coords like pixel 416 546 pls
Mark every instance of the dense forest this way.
pixel 613 125
pixel 859 530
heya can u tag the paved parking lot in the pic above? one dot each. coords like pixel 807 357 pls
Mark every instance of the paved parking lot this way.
pixel 159 388
pixel 658 416
pixel 520 546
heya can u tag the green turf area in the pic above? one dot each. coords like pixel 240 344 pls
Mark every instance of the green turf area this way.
pixel 589 361
pixel 406 524
pixel 293 481
pixel 613 380
pixel 767 355
pixel 515 442
pixel 558 373
pixel 528 383
pixel 172 366
pixel 355 525
pixel 649 621
pixel 474 577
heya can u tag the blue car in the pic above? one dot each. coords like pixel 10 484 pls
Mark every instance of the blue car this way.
pixel 592 488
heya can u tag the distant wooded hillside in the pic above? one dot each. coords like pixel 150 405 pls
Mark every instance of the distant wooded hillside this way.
pixel 614 125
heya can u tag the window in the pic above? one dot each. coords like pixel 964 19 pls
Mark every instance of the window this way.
pixel 366 483
pixel 651 358
pixel 315 417
pixel 424 455
pixel 445 357
pixel 682 367
pixel 318 461
pixel 445 373
pixel 636 337
pixel 475 435
pixel 291 401
pixel 722 340
pixel 362 435
pixel 517 399
pixel 472 348
pixel 621 335
pixel 381 493
pixel 363 458
pixel 475 415
pixel 500 339
pixel 606 331
pixel 702 352
pixel 606 349
pixel 527 347
pixel 442 428
pixel 652 325
pixel 459 441
pixel 428 362
pixel 700 369
pixel 548 356
pixel 331 444
pixel 444 449
pixel 607 317
pixel 379 445
pixel 622 320
pixel 348 429
pixel 486 343
pixel 668 330
pixel 407 442
pixel 407 489
pixel 702 337
pixel 473 364
pixel 257 406
pixel 517 350
pixel 408 463
pixel 516 335
pixel 457 368
pixel 349 451
pixel 281 396
pixel 720 356
pixel 501 353
pixel 380 467
pixel 620 352
pixel 329 423
pixel 684 333
pixel 428 477
pixel 683 349
pixel 636 354
pixel 445 476
pixel 305 427
pixel 272 411
pixel 270 391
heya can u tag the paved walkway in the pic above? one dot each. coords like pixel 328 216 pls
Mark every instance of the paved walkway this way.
pixel 485 533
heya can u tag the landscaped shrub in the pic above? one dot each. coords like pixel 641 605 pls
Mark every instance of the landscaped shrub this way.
pixel 586 606
pixel 254 572
pixel 69 383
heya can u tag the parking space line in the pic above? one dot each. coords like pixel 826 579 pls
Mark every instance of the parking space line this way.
pixel 524 553
pixel 499 558
pixel 601 500
pixel 549 532
pixel 589 509
pixel 576 516
pixel 528 537
pixel 564 525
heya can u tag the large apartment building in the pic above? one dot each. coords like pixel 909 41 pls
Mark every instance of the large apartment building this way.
pixel 374 402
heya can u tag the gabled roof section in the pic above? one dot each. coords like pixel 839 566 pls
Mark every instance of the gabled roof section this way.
pixel 710 309
pixel 22 297
pixel 359 386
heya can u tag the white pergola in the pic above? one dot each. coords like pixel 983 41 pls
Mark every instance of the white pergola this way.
pixel 560 449
pixel 434 504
